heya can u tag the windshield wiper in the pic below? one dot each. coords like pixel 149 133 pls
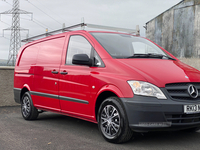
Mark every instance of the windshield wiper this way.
pixel 160 56
pixel 151 55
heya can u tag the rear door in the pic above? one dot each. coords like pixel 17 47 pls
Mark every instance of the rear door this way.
pixel 45 92
pixel 75 80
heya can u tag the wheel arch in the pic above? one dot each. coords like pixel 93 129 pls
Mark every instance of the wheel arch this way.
pixel 24 90
pixel 104 93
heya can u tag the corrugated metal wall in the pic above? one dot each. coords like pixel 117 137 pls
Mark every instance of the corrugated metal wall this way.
pixel 178 29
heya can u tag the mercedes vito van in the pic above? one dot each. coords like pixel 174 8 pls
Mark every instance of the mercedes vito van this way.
pixel 122 82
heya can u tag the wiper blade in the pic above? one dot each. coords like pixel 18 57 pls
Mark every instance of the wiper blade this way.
pixel 168 57
pixel 161 56
pixel 151 55
pixel 139 56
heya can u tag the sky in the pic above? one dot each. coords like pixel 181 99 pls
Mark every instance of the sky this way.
pixel 52 14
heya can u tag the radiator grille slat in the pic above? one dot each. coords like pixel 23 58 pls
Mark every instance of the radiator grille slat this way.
pixel 179 91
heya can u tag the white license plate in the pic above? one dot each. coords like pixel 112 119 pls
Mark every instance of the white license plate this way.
pixel 189 109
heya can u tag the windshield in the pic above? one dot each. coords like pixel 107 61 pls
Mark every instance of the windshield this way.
pixel 127 46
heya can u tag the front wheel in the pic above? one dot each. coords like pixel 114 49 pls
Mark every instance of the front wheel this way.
pixel 112 121
pixel 29 112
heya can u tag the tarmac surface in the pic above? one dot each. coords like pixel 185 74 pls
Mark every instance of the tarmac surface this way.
pixel 57 132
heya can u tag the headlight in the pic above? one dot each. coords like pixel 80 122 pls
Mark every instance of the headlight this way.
pixel 146 89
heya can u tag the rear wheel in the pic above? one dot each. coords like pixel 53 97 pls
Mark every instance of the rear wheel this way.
pixel 112 121
pixel 29 112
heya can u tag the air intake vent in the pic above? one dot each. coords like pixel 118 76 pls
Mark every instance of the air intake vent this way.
pixel 183 118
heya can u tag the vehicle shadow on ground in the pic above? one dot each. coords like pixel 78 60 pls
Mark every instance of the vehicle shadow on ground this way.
pixel 68 123
pixel 58 118
pixel 166 139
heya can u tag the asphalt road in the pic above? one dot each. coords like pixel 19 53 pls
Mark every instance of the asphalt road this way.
pixel 57 132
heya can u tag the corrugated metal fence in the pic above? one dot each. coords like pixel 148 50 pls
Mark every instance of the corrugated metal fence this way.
pixel 178 29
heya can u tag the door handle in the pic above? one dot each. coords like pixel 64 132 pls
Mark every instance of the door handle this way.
pixel 63 72
pixel 54 72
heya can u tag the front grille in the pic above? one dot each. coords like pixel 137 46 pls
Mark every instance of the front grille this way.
pixel 183 118
pixel 179 91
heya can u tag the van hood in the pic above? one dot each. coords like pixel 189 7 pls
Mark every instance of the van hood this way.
pixel 160 71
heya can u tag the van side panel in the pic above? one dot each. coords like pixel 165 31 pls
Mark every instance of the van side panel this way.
pixel 24 70
pixel 45 88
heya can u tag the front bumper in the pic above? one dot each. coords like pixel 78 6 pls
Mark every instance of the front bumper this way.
pixel 151 114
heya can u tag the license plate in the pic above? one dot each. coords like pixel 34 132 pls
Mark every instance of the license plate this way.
pixel 190 109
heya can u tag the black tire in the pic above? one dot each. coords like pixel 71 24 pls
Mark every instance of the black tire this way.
pixel 29 112
pixel 112 121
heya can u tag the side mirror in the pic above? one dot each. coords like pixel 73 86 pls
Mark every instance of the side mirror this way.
pixel 81 59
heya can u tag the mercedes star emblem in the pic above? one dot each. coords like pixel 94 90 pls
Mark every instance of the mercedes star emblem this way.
pixel 193 92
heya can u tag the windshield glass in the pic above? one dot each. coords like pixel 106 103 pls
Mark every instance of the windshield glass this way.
pixel 126 46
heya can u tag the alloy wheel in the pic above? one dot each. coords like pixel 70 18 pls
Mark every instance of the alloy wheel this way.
pixel 110 121
pixel 26 107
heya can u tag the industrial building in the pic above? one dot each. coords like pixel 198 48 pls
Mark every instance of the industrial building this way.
pixel 178 29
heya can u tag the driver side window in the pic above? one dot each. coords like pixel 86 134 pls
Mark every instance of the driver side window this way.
pixel 77 45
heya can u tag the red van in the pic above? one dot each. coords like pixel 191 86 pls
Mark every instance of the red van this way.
pixel 125 83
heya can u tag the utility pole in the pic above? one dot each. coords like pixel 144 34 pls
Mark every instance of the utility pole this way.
pixel 15 39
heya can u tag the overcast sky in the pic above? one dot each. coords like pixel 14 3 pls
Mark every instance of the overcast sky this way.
pixel 52 14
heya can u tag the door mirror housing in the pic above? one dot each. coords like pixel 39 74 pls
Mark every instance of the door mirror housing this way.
pixel 81 59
